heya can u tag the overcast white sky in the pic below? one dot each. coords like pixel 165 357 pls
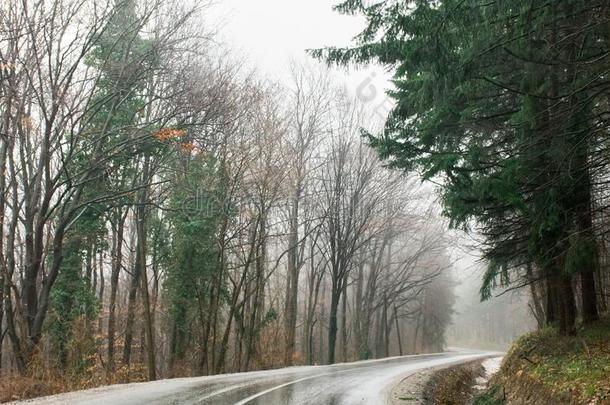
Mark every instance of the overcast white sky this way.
pixel 272 32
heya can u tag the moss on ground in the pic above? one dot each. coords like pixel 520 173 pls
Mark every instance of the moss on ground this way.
pixel 568 369
pixel 492 396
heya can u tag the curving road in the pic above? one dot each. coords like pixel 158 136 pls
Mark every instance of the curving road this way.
pixel 363 382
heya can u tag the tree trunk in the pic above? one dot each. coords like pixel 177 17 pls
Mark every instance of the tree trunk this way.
pixel 398 332
pixel 588 296
pixel 386 330
pixel 567 306
pixel 9 271
pixel 332 322
pixel 4 148
pixel 216 288
pixel 538 310
pixel 131 310
pixel 117 260
pixel 321 328
pixel 344 322
pixel 292 282
pixel 102 288
pixel 148 321
pixel 416 333
pixel 379 331
pixel 358 314
pixel 551 301
pixel 140 278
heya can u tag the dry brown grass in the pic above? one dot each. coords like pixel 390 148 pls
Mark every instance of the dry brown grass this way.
pixel 16 388
pixel 453 385
pixel 44 382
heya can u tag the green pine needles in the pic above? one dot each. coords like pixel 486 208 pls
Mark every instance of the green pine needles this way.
pixel 498 102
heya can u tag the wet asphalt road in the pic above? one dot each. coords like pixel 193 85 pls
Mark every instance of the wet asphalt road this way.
pixel 365 382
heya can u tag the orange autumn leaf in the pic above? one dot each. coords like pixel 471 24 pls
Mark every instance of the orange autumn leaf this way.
pixel 165 134
pixel 187 147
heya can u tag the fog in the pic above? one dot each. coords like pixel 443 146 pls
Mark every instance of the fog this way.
pixel 492 324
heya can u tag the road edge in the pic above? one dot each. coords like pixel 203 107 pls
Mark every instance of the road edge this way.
pixel 410 388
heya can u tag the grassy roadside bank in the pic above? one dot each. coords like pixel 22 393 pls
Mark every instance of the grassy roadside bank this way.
pixel 544 367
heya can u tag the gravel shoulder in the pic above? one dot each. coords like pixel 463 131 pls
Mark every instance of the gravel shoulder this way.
pixel 410 389
pixel 420 387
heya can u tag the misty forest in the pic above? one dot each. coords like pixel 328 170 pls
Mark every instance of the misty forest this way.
pixel 168 210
